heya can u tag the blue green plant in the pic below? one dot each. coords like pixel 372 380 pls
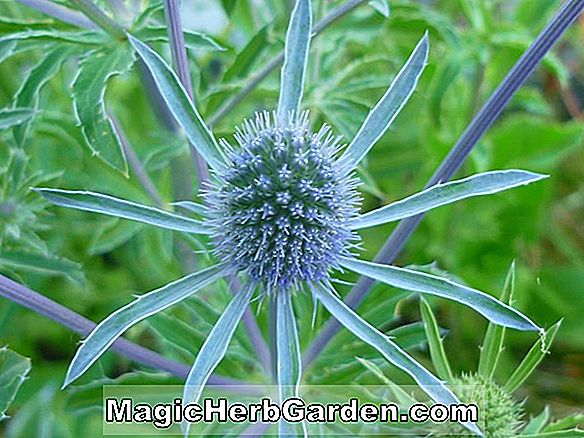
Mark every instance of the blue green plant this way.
pixel 282 213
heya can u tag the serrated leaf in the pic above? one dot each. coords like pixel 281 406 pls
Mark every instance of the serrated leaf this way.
pixel 443 194
pixel 295 59
pixel 402 278
pixel 430 384
pixel 568 422
pixel 89 88
pixel 104 204
pixel 27 95
pixel 435 344
pixel 535 355
pixel 495 336
pixel 13 370
pixel 111 328
pixel 44 263
pixel 15 116
pixel 215 347
pixel 9 25
pixel 193 40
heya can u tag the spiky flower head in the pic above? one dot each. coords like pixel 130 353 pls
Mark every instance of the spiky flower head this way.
pixel 281 207
pixel 500 415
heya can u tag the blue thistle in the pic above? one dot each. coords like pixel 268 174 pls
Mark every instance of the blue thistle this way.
pixel 282 212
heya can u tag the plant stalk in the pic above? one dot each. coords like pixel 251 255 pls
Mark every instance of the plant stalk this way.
pixel 484 119
pixel 44 306
pixel 61 13
pixel 97 16
pixel 181 66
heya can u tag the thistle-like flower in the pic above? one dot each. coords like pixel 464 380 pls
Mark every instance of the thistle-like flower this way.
pixel 282 211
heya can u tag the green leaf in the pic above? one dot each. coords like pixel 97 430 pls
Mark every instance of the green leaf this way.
pixel 249 55
pixel 55 36
pixel 44 263
pixel 493 343
pixel 437 353
pixel 443 194
pixel 381 6
pixel 180 105
pixel 14 117
pixel 536 424
pixel 104 204
pixel 295 60
pixel 13 371
pixel 535 355
pixel 289 361
pixel 89 88
pixel 192 207
pixel 388 107
pixel 402 278
pixel 27 95
pixel 568 422
pixel 431 385
pixel 9 25
pixel 572 433
pixel 401 396
pixel 6 50
pixel 193 40
pixel 111 328
pixel 215 347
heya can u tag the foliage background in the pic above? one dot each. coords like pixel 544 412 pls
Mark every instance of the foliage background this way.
pixel 102 262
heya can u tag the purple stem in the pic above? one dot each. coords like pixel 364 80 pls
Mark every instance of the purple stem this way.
pixel 44 306
pixel 253 330
pixel 457 155
pixel 181 65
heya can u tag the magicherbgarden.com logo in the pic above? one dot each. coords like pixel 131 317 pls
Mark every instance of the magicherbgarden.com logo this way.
pixel 291 410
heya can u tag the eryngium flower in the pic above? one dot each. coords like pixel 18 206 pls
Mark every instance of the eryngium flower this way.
pixel 282 213
pixel 281 210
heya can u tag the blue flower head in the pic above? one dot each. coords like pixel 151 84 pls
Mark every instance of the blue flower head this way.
pixel 280 210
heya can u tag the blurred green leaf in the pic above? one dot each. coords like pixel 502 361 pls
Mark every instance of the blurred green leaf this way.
pixel 15 116
pixel 193 40
pixel 437 353
pixel 45 263
pixel 13 371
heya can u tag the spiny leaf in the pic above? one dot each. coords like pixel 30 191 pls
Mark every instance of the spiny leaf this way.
pixel 45 263
pixel 104 204
pixel 295 59
pixel 443 194
pixel 394 354
pixel 107 331
pixel 535 355
pixel 215 347
pixel 402 278
pixel 389 106
pixel 89 88
pixel 493 344
pixel 55 36
pixel 437 353
pixel 180 105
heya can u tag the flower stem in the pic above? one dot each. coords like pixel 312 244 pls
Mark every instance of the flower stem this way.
pixel 60 12
pixel 457 155
pixel 44 306
pixel 99 18
pixel 181 65
pixel 254 80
